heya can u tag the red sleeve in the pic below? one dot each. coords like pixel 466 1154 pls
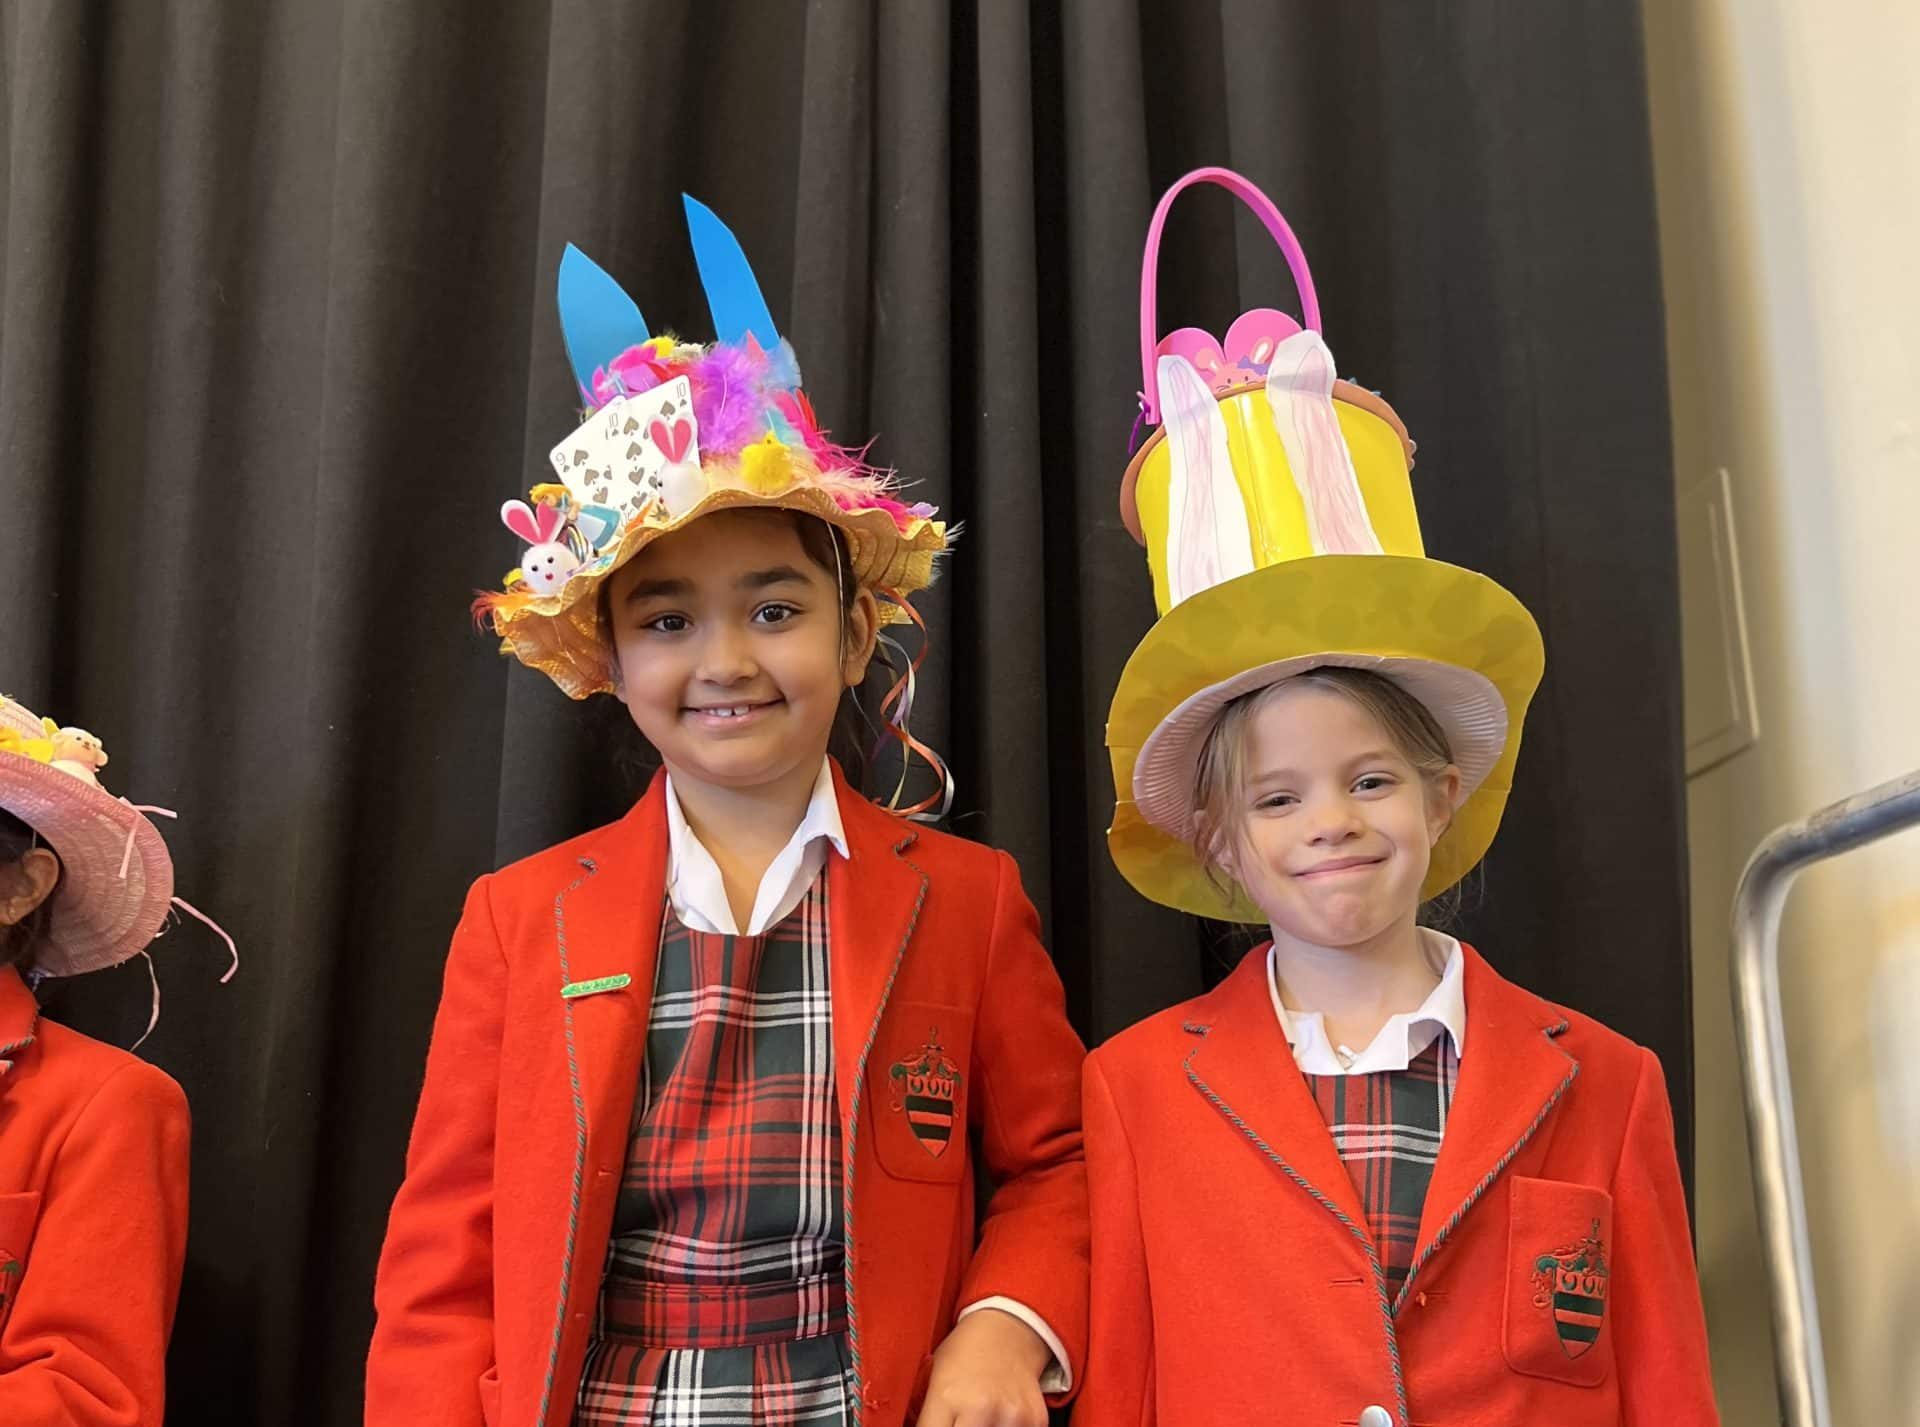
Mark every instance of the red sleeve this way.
pixel 94 1309
pixel 433 1295
pixel 1118 1391
pixel 1033 1243
pixel 1660 1329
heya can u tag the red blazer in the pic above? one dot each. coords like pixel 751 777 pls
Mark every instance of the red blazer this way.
pixel 1234 1282
pixel 489 1280
pixel 93 1224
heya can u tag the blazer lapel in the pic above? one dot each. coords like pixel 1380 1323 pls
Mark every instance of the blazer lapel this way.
pixel 1512 1074
pixel 607 934
pixel 1245 1070
pixel 874 898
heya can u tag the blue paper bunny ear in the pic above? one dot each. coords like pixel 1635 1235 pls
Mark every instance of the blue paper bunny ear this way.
pixel 597 319
pixel 733 296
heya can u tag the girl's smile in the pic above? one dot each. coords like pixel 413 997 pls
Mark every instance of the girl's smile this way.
pixel 731 717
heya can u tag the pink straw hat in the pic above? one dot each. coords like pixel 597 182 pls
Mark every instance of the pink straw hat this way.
pixel 116 884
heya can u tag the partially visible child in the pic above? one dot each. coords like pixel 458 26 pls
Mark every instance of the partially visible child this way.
pixel 93 1142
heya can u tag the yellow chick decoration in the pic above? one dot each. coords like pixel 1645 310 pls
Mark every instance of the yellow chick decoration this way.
pixel 766 467
pixel 40 750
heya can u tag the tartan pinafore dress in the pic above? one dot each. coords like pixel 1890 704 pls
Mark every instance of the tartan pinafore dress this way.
pixel 724 1298
pixel 1387 1126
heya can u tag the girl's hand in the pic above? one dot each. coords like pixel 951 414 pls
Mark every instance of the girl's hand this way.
pixel 987 1374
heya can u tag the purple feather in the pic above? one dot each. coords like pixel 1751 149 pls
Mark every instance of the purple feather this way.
pixel 728 397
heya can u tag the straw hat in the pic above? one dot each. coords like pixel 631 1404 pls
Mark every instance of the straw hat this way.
pixel 675 430
pixel 117 880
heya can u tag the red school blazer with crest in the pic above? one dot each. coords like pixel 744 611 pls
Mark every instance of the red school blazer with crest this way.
pixel 93 1223
pixel 1234 1280
pixel 489 1279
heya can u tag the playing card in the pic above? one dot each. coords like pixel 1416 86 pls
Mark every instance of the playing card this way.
pixel 617 456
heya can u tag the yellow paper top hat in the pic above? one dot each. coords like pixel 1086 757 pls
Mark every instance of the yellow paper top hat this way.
pixel 1276 506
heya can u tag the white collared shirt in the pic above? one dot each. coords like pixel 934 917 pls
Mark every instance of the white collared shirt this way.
pixel 699 897
pixel 1404 1035
pixel 699 893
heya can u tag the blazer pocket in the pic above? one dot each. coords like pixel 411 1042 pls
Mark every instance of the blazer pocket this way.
pixel 918 1082
pixel 19 1213
pixel 1559 1273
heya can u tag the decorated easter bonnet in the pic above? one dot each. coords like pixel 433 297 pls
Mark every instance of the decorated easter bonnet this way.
pixel 1276 507
pixel 674 430
pixel 116 884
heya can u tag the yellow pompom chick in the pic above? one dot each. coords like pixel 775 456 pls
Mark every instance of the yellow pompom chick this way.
pixel 766 467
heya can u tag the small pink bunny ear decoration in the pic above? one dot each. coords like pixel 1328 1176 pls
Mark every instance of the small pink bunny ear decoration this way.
pixel 1254 337
pixel 518 517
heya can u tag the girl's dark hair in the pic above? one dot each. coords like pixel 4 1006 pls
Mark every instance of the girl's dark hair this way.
pixel 21 942
pixel 853 725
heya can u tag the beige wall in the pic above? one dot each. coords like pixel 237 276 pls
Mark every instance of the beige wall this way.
pixel 1787 155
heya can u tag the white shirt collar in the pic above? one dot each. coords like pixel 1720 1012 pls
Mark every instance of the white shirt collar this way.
pixel 1404 1035
pixel 699 894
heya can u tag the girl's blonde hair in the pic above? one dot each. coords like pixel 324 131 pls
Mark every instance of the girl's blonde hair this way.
pixel 1218 801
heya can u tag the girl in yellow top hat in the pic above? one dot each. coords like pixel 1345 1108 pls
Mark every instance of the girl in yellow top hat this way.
pixel 1366 1179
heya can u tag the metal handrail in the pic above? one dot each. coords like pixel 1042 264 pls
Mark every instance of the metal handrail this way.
pixel 1777 1188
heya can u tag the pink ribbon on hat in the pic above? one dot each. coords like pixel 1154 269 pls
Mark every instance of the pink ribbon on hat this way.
pixel 153 976
pixel 126 861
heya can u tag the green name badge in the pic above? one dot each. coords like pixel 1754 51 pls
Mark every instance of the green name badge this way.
pixel 574 989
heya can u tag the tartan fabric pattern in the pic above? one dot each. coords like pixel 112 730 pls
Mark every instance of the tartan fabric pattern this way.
pixel 724 1298
pixel 1387 1126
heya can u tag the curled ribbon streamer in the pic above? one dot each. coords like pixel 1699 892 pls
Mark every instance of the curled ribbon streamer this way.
pixel 126 853
pixel 218 931
pixel 126 861
pixel 896 708
pixel 153 1016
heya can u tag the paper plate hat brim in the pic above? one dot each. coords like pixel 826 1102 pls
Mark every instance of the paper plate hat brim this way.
pixel 1453 638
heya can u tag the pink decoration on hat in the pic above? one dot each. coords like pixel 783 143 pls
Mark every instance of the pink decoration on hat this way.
pixel 1246 354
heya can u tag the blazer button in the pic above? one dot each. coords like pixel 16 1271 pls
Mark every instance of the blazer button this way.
pixel 1376 1417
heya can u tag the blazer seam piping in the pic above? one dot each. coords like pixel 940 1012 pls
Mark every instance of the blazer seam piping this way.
pixel 579 1143
pixel 1359 1234
pixel 857 1406
pixel 1473 1197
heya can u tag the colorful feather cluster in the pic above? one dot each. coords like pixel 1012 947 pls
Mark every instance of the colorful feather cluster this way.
pixel 743 394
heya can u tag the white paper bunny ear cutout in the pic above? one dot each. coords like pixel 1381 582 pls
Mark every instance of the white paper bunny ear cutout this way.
pixel 1208 539
pixel 1300 393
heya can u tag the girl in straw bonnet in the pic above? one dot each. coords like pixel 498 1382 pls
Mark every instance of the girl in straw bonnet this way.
pixel 93 1142
pixel 1365 1180
pixel 709 1087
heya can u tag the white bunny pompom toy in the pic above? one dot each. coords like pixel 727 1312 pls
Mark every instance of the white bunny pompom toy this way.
pixel 549 560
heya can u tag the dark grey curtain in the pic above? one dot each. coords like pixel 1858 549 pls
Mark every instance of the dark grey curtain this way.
pixel 276 338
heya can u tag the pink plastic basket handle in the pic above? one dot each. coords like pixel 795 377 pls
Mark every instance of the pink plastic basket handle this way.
pixel 1150 270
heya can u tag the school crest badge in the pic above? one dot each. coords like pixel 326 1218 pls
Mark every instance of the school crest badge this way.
pixel 11 1271
pixel 1572 1284
pixel 926 1088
